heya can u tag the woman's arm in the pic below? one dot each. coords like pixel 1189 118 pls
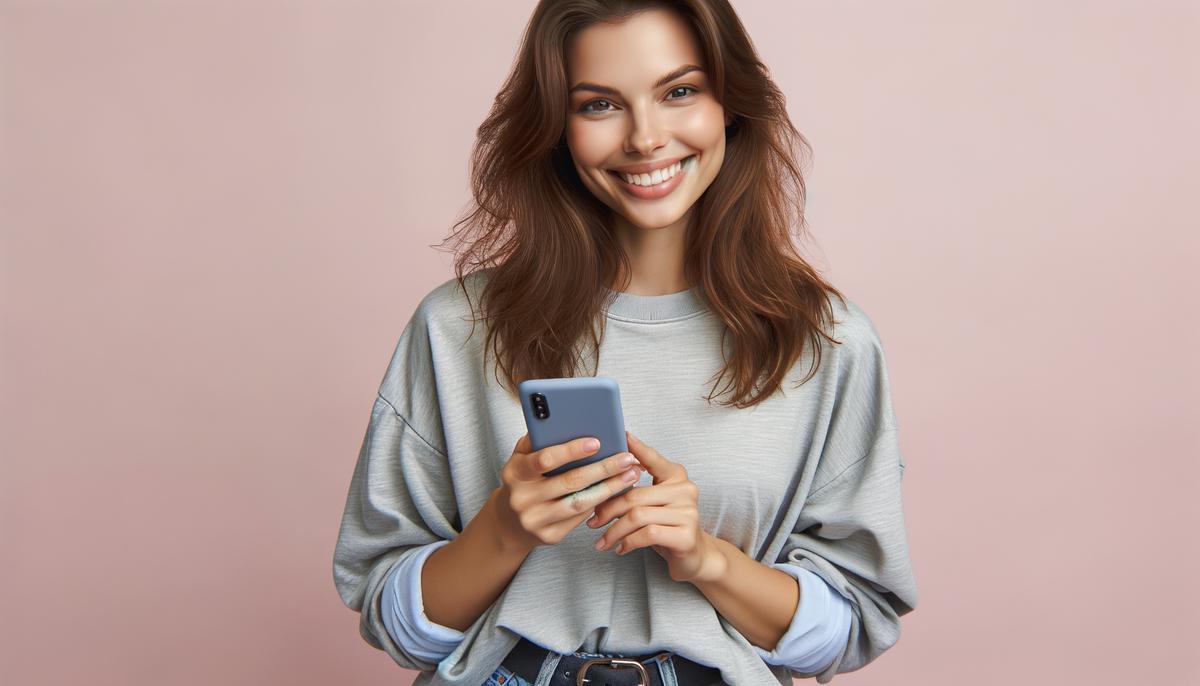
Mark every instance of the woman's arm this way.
pixel 758 600
pixel 464 577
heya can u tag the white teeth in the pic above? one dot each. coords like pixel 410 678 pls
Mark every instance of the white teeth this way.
pixel 658 175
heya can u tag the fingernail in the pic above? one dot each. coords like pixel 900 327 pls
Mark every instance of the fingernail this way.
pixel 630 475
pixel 599 544
pixel 591 444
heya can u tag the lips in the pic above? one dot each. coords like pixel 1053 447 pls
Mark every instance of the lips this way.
pixel 659 190
pixel 648 167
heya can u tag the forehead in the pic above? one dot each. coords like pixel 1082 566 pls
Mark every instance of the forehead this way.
pixel 638 49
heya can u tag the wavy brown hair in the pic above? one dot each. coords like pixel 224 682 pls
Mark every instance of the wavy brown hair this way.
pixel 547 243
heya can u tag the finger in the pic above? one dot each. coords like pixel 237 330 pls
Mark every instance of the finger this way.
pixel 656 495
pixel 554 456
pixel 637 520
pixel 580 478
pixel 659 467
pixel 524 445
pixel 587 499
pixel 674 538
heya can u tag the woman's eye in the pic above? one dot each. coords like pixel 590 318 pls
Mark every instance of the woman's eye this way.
pixel 587 107
pixel 589 104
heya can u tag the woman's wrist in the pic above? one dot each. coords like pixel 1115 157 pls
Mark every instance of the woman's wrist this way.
pixel 508 535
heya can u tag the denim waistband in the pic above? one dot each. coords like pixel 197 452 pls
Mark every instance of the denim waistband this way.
pixel 528 664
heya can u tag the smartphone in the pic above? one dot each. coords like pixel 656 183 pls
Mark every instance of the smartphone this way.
pixel 561 410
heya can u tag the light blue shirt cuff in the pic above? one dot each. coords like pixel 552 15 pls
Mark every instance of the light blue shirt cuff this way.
pixel 404 610
pixel 819 630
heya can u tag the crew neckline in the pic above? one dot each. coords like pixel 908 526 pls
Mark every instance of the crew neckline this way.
pixel 654 308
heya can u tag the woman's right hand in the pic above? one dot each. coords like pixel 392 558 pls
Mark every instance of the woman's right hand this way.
pixel 532 508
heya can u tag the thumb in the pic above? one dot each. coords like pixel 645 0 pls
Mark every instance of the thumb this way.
pixel 524 445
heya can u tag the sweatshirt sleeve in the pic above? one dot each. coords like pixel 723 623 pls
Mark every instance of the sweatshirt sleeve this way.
pixel 850 530
pixel 404 611
pixel 401 496
pixel 819 629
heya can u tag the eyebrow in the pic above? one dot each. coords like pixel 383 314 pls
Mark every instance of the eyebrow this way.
pixel 605 90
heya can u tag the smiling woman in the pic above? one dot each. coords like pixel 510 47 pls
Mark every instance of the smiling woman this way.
pixel 636 189
pixel 658 110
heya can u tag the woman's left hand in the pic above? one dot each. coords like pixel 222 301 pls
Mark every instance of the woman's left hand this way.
pixel 664 516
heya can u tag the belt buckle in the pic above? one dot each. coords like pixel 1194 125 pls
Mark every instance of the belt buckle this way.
pixel 612 661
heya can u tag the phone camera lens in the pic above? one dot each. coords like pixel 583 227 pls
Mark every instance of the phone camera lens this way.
pixel 540 409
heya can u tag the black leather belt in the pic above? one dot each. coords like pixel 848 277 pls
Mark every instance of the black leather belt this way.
pixel 526 659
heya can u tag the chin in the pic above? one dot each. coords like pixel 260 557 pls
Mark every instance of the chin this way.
pixel 650 222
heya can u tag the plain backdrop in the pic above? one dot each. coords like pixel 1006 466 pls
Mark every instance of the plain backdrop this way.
pixel 217 219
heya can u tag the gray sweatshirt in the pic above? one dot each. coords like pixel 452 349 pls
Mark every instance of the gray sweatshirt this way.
pixel 810 477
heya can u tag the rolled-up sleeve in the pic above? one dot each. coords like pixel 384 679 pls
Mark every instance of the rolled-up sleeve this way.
pixel 819 628
pixel 404 611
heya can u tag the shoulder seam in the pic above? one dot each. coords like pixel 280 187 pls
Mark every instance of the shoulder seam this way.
pixel 411 428
pixel 845 469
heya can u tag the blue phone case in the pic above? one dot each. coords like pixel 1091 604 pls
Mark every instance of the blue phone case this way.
pixel 578 407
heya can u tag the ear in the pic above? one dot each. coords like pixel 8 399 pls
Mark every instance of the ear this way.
pixel 728 120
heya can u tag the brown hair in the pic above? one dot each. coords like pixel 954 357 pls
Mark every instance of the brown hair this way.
pixel 547 244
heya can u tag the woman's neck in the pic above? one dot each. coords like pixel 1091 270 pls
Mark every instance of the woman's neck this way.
pixel 655 258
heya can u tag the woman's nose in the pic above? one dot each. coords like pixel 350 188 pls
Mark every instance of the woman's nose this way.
pixel 646 132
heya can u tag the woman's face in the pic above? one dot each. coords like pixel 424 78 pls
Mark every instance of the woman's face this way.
pixel 622 118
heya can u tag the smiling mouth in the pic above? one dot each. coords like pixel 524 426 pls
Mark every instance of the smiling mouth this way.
pixel 646 181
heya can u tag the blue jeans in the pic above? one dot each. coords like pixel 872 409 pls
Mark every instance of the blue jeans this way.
pixel 503 676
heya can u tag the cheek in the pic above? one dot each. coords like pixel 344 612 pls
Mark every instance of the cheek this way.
pixel 704 128
pixel 588 145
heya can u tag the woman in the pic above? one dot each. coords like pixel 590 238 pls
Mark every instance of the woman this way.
pixel 765 537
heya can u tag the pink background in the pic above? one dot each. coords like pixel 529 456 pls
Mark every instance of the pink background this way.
pixel 217 219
